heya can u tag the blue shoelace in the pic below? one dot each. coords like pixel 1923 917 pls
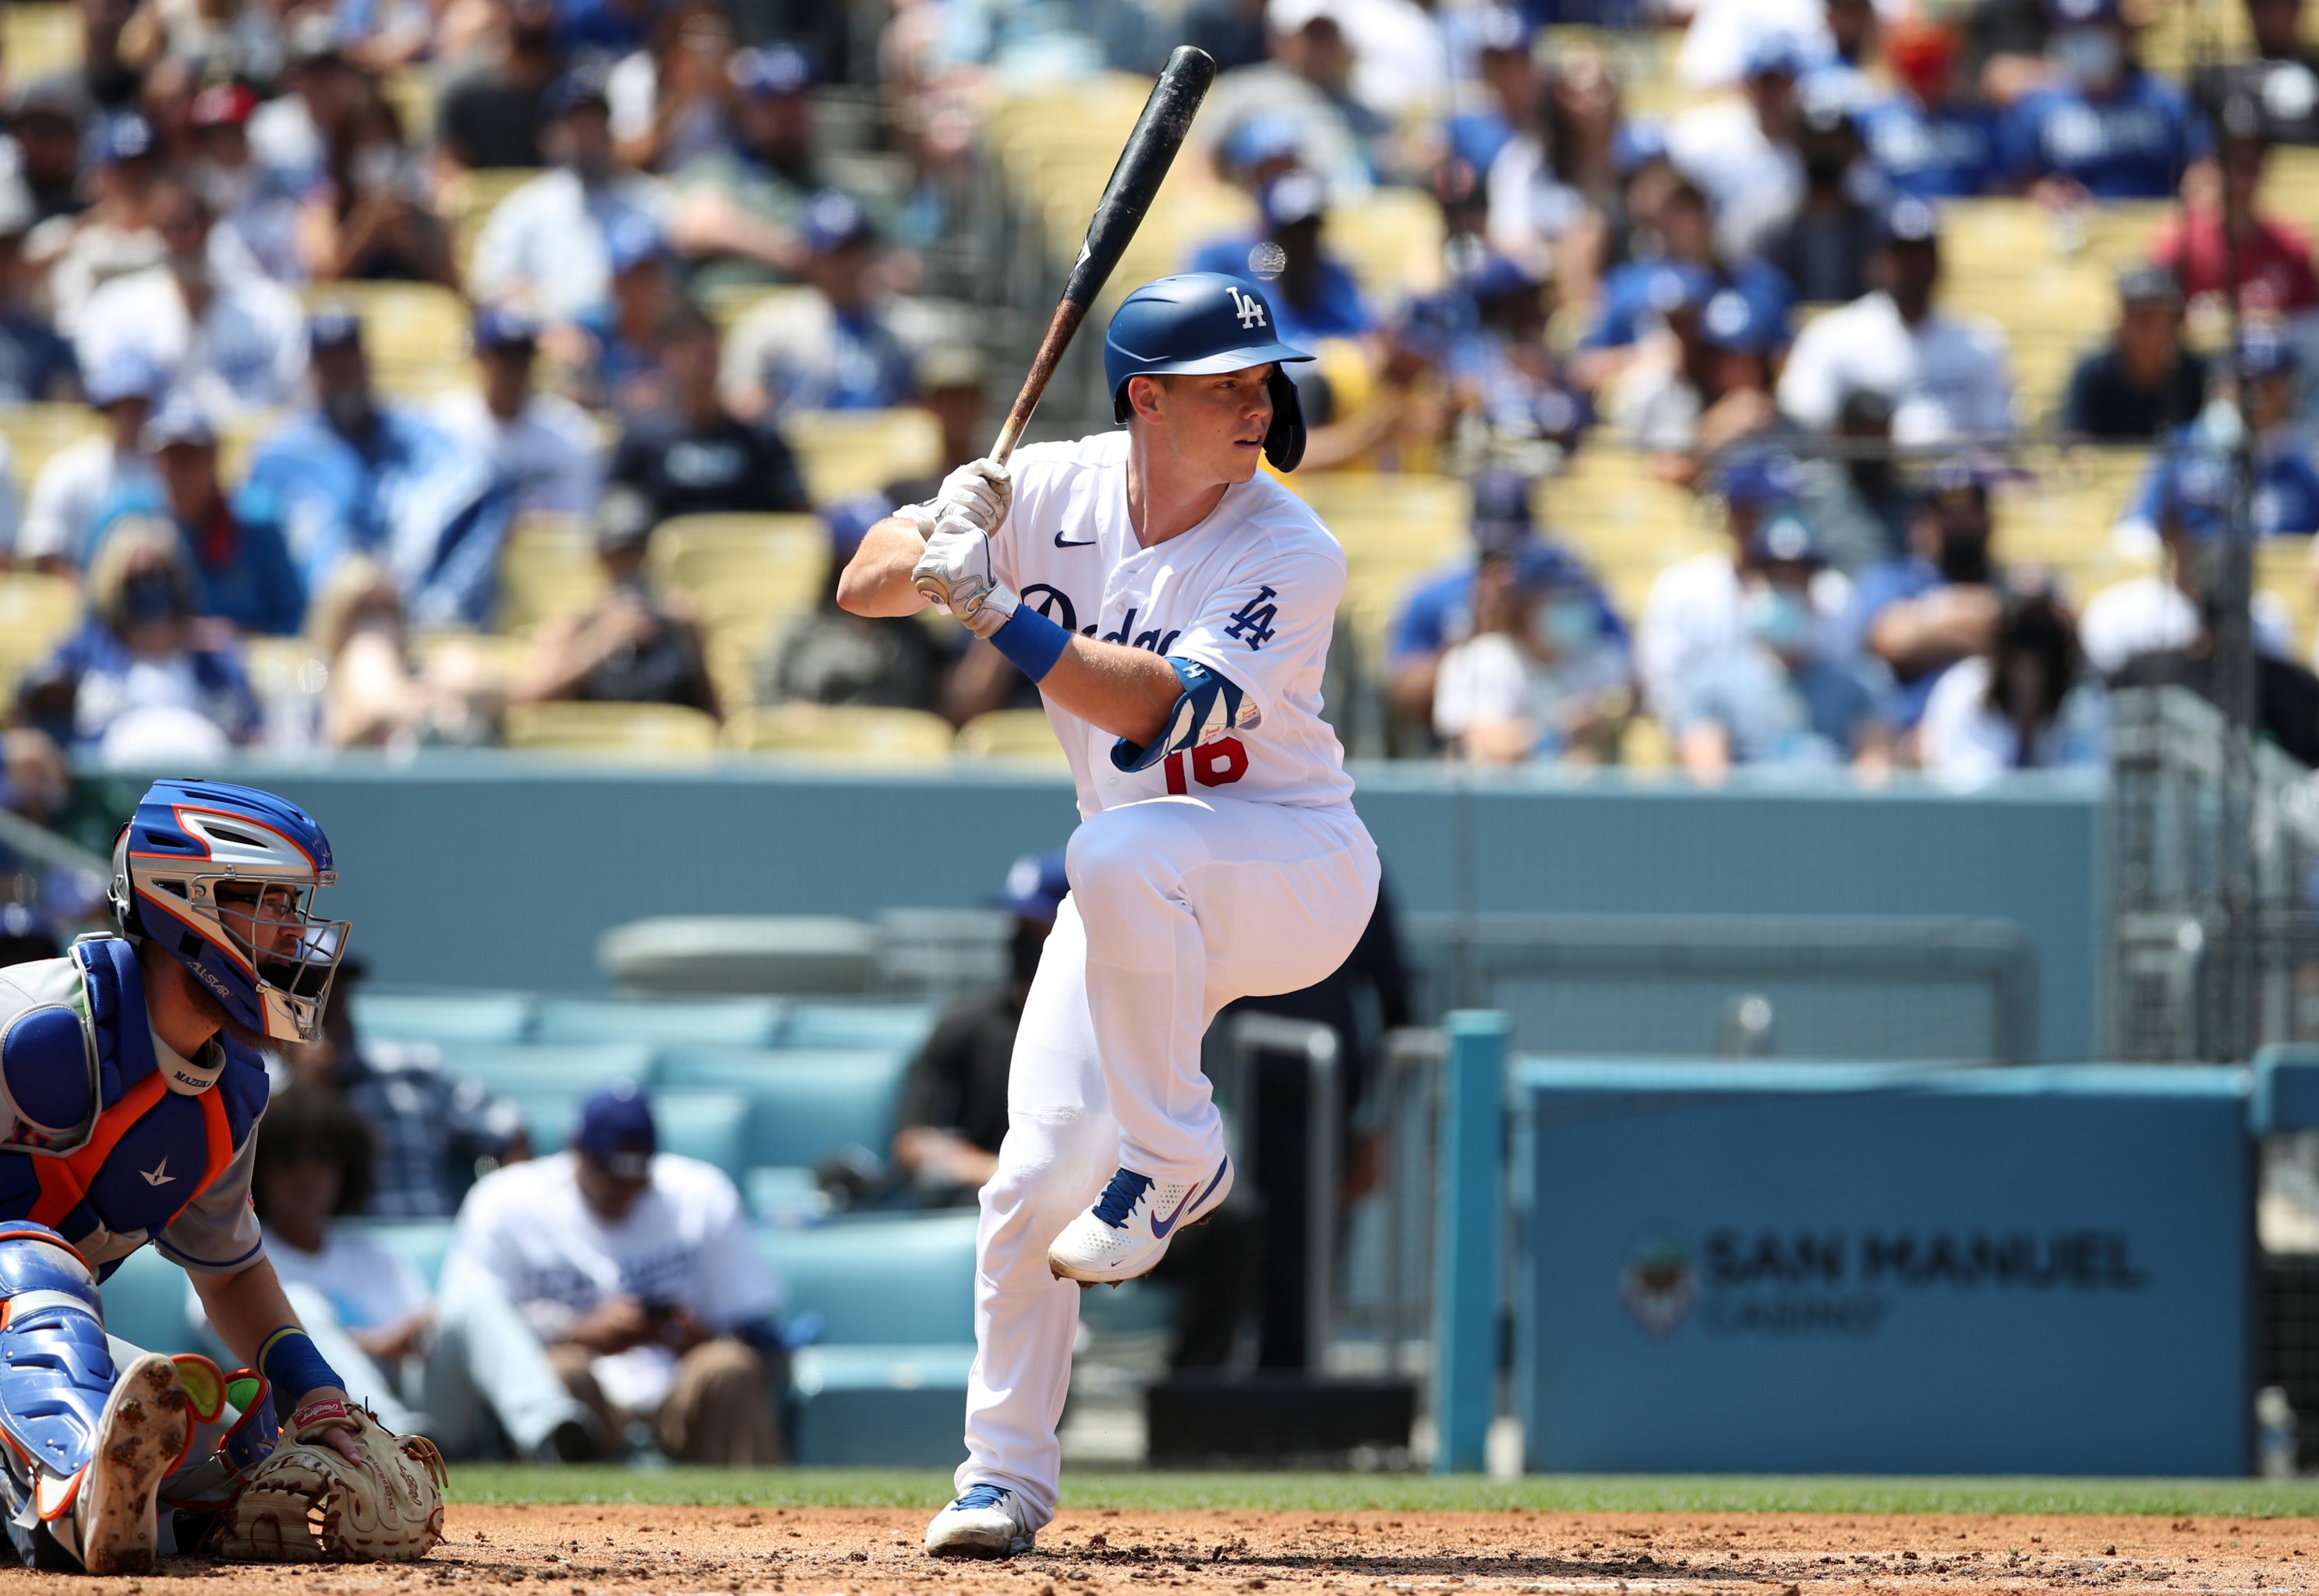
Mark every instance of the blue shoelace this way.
pixel 982 1496
pixel 1120 1197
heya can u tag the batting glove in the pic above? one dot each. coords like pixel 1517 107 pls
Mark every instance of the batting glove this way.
pixel 955 572
pixel 978 491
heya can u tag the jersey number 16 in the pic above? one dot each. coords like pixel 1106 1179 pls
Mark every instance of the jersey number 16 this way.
pixel 1219 763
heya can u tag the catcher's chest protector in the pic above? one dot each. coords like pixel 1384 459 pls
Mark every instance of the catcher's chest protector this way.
pixel 132 1165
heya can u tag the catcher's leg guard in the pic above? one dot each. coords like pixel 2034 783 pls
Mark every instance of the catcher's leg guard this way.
pixel 86 1443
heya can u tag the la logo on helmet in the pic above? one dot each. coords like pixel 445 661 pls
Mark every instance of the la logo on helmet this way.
pixel 1250 308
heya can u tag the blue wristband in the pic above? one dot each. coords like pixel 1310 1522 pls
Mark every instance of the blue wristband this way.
pixel 1032 641
pixel 292 1364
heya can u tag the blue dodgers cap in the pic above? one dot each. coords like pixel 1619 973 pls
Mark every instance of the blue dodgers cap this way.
pixel 1264 137
pixel 125 373
pixel 632 239
pixel 125 138
pixel 1501 275
pixel 1785 538
pixel 1037 886
pixel 503 327
pixel 582 85
pixel 1757 477
pixel 771 70
pixel 1910 220
pixel 617 1130
pixel 333 326
pixel 1777 53
pixel 2080 13
pixel 2194 494
pixel 179 421
pixel 1734 321
pixel 1637 142
pixel 833 220
pixel 1678 285
pixel 1502 30
pixel 1502 513
pixel 2264 352
pixel 1291 198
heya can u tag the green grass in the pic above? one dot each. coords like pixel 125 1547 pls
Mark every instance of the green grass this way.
pixel 1341 1492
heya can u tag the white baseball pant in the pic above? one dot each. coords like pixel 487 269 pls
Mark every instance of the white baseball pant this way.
pixel 1178 907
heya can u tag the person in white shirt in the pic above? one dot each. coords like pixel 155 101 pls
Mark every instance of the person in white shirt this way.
pixel 1723 35
pixel 230 340
pixel 81 478
pixel 636 1268
pixel 544 246
pixel 1541 677
pixel 2020 706
pixel 428 1362
pixel 1948 377
pixel 542 442
pixel 1742 153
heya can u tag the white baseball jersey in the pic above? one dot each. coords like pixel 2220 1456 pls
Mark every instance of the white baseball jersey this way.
pixel 1250 592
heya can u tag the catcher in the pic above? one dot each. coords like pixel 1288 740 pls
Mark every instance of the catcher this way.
pixel 130 1087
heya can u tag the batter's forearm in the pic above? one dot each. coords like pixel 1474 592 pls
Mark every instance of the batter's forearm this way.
pixel 1126 691
pixel 877 580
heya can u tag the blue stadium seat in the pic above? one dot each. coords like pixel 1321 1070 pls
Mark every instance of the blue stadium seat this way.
pixel 709 1125
pixel 878 1281
pixel 443 1017
pixel 145 1305
pixel 736 1022
pixel 833 1025
pixel 805 1105
pixel 422 1243
pixel 572 1068
pixel 887 1407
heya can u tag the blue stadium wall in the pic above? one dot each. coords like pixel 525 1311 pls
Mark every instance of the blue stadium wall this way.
pixel 486 869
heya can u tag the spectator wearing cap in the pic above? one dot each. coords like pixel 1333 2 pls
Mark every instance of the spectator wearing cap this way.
pixel 637 645
pixel 1921 611
pixel 45 119
pixel 115 236
pixel 2142 382
pixel 637 1270
pixel 348 475
pixel 1539 677
pixel 292 133
pixel 1552 184
pixel 827 655
pixel 1507 92
pixel 697 455
pixel 491 115
pixel 1686 271
pixel 1741 152
pixel 2102 128
pixel 672 101
pixel 2275 278
pixel 243 568
pixel 1948 376
pixel 142 681
pixel 620 365
pixel 1440 611
pixel 1931 137
pixel 848 344
pixel 1306 79
pixel 543 443
pixel 250 205
pixel 2280 84
pixel 231 341
pixel 1771 692
pixel 1696 608
pixel 2022 703
pixel 545 247
pixel 37 366
pixel 79 478
pixel 1312 293
pixel 1824 248
pixel 741 206
pixel 1703 385
pixel 953 1113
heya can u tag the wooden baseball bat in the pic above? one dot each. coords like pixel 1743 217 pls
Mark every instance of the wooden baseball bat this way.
pixel 1144 163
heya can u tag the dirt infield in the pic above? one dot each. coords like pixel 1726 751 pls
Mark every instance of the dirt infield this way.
pixel 601 1551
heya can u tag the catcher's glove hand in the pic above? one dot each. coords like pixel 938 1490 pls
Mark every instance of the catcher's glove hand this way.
pixel 306 1502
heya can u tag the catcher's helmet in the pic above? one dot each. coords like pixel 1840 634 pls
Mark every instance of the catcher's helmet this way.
pixel 224 876
pixel 1205 321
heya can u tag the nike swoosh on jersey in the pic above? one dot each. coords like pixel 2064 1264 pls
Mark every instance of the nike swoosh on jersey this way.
pixel 1063 542
pixel 1161 1227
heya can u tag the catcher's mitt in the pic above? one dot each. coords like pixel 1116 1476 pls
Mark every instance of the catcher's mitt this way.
pixel 306 1503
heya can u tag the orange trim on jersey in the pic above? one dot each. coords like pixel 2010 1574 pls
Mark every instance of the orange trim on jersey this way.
pixel 65 1182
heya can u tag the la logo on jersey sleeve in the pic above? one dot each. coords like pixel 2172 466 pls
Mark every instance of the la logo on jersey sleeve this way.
pixel 1251 623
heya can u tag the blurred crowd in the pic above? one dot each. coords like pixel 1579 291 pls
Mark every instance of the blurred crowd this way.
pixel 677 229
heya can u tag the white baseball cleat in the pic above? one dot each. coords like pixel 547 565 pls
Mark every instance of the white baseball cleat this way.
pixel 986 1521
pixel 143 1432
pixel 1127 1231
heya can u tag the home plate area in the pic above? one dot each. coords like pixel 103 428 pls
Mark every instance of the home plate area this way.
pixel 590 1550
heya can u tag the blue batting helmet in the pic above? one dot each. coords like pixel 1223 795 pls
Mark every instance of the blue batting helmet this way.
pixel 223 877
pixel 1205 321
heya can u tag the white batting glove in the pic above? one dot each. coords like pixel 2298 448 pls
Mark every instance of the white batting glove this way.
pixel 978 490
pixel 955 572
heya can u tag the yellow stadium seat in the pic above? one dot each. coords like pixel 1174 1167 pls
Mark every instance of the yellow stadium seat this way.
pixel 36 612
pixel 36 433
pixel 868 737
pixel 2283 569
pixel 846 453
pixel 743 571
pixel 1010 734
pixel 39 38
pixel 468 198
pixel 416 334
pixel 628 732
pixel 548 568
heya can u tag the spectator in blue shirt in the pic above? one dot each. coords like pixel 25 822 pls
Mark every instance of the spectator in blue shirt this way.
pixel 1922 612
pixel 2186 489
pixel 1636 295
pixel 1313 296
pixel 244 570
pixel 351 475
pixel 1931 137
pixel 2106 129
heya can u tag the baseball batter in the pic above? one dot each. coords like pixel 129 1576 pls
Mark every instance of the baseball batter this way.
pixel 1175 607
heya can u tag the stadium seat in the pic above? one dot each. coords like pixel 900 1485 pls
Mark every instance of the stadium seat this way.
pixel 878 1407
pixel 416 334
pixel 572 1068
pixel 739 1021
pixel 1010 734
pixel 444 1017
pixel 422 1243
pixel 746 954
pixel 866 736
pixel 847 453
pixel 145 1304
pixel 709 1126
pixel 37 432
pixel 39 37
pixel 548 568
pixel 36 612
pixel 802 1105
pixel 624 732
pixel 467 200
pixel 857 1025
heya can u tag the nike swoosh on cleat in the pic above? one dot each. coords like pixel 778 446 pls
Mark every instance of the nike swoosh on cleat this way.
pixel 1159 1227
